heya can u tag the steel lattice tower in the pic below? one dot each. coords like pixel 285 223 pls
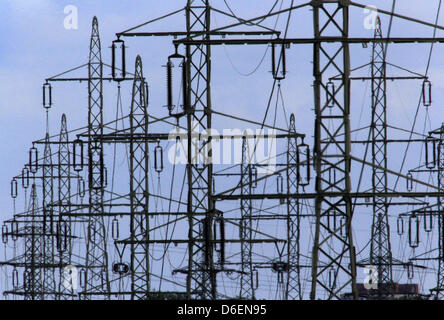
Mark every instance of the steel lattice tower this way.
pixel 332 251
pixel 63 231
pixel 380 250
pixel 49 280
pixel 201 274
pixel 246 278
pixel 293 288
pixel 440 276
pixel 34 243
pixel 97 282
pixel 139 166
pixel 333 254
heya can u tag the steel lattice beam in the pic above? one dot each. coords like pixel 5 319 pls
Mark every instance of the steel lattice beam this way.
pixel 293 287
pixel 139 167
pixel 334 265
pixel 63 227
pixel 439 294
pixel 201 275
pixel 34 243
pixel 380 249
pixel 49 280
pixel 247 290
pixel 97 281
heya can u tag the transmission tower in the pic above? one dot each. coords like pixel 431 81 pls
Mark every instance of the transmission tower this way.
pixel 380 251
pixel 247 281
pixel 332 157
pixel 275 227
pixel 139 166
pixel 293 288
pixel 63 228
pixel 34 243
pixel 49 280
pixel 203 218
pixel 97 282
pixel 201 278
pixel 440 276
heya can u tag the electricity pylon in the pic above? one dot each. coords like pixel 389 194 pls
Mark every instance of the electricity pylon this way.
pixel 439 294
pixel 380 249
pixel 63 225
pixel 201 273
pixel 246 227
pixel 333 243
pixel 139 167
pixel 333 253
pixel 293 286
pixel 97 281
pixel 49 271
pixel 34 244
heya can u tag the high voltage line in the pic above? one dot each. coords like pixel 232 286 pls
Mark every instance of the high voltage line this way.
pixel 94 229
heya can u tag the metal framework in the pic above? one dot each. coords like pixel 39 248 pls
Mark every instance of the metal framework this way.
pixel 246 227
pixel 201 273
pixel 97 282
pixel 49 275
pixel 52 232
pixel 63 224
pixel 439 294
pixel 139 167
pixel 293 286
pixel 34 243
pixel 380 250
pixel 333 249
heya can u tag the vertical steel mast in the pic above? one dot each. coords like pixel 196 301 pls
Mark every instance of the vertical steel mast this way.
pixel 440 278
pixel 380 249
pixel 32 278
pixel 334 262
pixel 49 281
pixel 246 278
pixel 201 275
pixel 97 282
pixel 293 287
pixel 63 230
pixel 139 166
